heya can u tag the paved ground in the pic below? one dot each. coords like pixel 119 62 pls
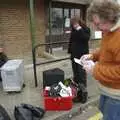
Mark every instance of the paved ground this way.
pixel 91 113
pixel 32 95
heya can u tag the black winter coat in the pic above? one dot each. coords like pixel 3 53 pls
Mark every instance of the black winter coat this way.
pixel 3 59
pixel 78 44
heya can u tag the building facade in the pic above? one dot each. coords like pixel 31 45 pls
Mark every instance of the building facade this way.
pixel 50 18
pixel 15 26
pixel 58 28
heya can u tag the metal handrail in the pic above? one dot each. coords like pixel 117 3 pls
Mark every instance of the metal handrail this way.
pixel 34 57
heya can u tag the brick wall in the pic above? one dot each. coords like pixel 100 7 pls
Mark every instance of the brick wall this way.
pixel 15 28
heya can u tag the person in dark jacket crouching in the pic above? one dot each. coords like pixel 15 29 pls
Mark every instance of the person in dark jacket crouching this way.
pixel 78 46
pixel 3 59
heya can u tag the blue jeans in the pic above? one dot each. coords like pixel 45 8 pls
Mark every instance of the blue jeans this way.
pixel 110 108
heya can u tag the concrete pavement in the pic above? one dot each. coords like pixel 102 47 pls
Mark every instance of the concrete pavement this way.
pixel 33 95
pixel 91 113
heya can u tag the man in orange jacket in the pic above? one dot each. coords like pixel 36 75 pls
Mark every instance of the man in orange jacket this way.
pixel 105 14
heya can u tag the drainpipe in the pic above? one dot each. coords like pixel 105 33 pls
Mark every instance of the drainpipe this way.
pixel 32 23
pixel 32 30
pixel 50 25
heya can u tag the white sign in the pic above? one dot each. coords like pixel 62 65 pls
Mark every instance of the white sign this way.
pixel 98 34
pixel 67 22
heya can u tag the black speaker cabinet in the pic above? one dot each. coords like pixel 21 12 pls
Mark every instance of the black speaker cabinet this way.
pixel 52 76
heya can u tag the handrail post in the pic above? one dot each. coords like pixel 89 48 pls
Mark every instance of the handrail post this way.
pixel 34 66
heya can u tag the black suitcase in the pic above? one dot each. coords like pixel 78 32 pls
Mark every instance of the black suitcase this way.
pixel 52 76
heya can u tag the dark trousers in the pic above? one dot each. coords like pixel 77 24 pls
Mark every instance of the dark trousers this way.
pixel 79 74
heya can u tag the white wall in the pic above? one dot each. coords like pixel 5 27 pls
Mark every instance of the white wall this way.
pixel 118 1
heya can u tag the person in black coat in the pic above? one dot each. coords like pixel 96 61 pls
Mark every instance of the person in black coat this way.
pixel 3 60
pixel 78 46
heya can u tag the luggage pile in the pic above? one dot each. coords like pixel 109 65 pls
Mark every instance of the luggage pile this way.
pixel 60 93
pixel 57 96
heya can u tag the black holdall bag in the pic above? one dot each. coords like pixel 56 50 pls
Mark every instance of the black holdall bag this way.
pixel 28 112
pixel 3 114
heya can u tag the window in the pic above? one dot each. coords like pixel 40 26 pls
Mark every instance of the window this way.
pixel 57 20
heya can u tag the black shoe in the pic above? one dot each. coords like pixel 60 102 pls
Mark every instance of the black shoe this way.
pixel 76 100
pixel 81 97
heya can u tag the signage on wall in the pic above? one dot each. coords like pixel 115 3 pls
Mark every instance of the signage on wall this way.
pixel 67 26
pixel 67 22
pixel 98 34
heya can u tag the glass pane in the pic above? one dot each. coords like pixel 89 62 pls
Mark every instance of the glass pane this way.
pixel 72 13
pixel 66 13
pixel 57 20
pixel 77 12
pixel 66 18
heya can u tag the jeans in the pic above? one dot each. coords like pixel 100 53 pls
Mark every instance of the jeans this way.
pixel 110 108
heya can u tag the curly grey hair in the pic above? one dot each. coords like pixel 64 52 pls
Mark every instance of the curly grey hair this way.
pixel 107 10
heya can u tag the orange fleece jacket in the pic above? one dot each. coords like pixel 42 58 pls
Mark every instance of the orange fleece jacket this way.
pixel 107 69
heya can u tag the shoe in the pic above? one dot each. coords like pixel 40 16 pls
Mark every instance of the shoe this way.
pixel 76 100
pixel 82 97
